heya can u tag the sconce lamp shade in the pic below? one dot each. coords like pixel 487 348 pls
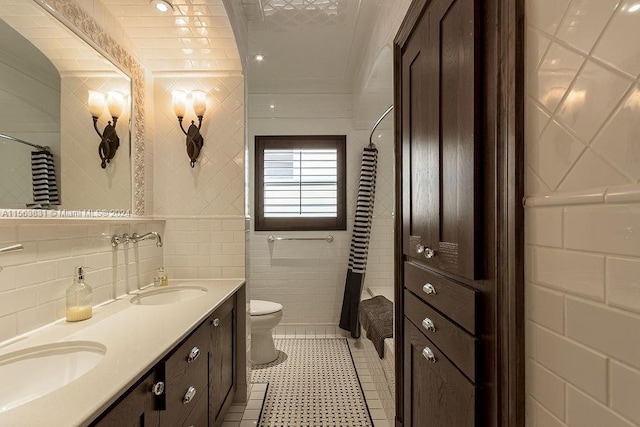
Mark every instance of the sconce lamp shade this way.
pixel 95 103
pixel 199 99
pixel 179 103
pixel 115 102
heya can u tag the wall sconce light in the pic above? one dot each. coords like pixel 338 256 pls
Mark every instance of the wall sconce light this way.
pixel 195 141
pixel 110 141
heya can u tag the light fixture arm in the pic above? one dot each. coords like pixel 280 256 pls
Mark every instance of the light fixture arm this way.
pixel 195 141
pixel 109 142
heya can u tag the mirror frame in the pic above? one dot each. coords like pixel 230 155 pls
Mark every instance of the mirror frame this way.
pixel 70 14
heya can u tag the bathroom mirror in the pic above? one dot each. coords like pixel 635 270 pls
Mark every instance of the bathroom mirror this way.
pixel 46 71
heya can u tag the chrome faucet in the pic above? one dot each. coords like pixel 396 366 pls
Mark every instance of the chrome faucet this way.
pixel 116 240
pixel 150 235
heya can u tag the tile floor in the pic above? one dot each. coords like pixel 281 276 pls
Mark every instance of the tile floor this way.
pixel 288 408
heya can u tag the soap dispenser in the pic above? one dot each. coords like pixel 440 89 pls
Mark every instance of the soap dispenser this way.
pixel 79 298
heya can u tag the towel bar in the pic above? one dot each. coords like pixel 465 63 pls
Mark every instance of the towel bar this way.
pixel 271 238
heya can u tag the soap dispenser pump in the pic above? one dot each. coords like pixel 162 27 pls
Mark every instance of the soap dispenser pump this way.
pixel 79 298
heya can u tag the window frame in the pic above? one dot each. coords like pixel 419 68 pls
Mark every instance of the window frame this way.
pixel 263 142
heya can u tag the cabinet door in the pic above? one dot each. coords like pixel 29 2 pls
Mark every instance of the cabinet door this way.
pixel 135 409
pixel 436 392
pixel 222 363
pixel 441 138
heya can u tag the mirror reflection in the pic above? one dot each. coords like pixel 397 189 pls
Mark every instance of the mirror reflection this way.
pixel 52 151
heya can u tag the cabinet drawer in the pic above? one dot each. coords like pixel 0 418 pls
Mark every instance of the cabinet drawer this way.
pixel 184 370
pixel 436 392
pixel 458 345
pixel 199 416
pixel 455 300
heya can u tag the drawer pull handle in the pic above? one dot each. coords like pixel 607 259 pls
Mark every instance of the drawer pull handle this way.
pixel 193 354
pixel 188 396
pixel 215 322
pixel 428 354
pixel 429 289
pixel 158 388
pixel 428 325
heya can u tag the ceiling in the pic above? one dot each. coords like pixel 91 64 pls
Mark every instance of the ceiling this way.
pixel 309 46
pixel 195 36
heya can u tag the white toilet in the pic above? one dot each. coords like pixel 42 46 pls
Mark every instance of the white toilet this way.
pixel 265 315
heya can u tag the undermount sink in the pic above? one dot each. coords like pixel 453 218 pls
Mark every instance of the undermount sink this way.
pixel 168 295
pixel 36 371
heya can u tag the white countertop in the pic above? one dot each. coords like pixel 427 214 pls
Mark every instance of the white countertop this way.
pixel 135 336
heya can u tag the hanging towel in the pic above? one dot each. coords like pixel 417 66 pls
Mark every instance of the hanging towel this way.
pixel 359 242
pixel 45 188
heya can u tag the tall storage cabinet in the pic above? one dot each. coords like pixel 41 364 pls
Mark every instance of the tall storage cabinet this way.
pixel 457 219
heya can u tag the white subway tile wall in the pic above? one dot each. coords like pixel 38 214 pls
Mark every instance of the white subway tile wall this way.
pixel 33 282
pixel 205 248
pixel 307 277
pixel 582 250
pixel 216 185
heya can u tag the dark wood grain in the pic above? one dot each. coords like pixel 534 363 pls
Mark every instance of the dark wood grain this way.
pixel 442 396
pixel 497 219
pixel 455 300
pixel 459 346
pixel 180 375
pixel 222 370
pixel 459 140
pixel 135 409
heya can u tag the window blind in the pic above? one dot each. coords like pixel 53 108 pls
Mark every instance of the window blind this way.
pixel 300 182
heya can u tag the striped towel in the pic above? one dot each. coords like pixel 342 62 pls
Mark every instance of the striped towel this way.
pixel 45 188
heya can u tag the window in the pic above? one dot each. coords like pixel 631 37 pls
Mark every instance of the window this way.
pixel 300 183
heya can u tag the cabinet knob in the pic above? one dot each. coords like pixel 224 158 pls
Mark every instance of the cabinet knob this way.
pixel 428 325
pixel 188 396
pixel 427 251
pixel 158 388
pixel 193 354
pixel 215 322
pixel 428 354
pixel 429 289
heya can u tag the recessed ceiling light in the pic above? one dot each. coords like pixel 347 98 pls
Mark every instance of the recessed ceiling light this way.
pixel 162 6
pixel 259 57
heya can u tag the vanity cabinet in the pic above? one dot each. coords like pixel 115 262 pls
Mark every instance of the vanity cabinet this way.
pixel 222 369
pixel 137 408
pixel 193 385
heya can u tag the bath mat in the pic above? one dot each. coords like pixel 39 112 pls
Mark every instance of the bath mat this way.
pixel 315 385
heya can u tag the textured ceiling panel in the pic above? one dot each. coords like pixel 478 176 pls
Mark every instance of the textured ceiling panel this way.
pixel 195 35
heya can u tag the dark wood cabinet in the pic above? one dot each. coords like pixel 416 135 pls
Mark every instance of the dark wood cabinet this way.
pixel 185 371
pixel 222 370
pixel 441 145
pixel 459 238
pixel 438 393
pixel 197 377
pixel 137 408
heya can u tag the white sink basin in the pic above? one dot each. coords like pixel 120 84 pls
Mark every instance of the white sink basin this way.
pixel 168 295
pixel 35 371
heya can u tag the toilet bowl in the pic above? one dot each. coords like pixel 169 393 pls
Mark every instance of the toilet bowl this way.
pixel 265 315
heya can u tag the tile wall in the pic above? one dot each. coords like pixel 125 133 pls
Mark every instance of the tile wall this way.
pixel 203 206
pixel 84 184
pixel 33 282
pixel 582 213
pixel 308 277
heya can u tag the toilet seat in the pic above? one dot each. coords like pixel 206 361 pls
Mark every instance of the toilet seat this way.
pixel 260 308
